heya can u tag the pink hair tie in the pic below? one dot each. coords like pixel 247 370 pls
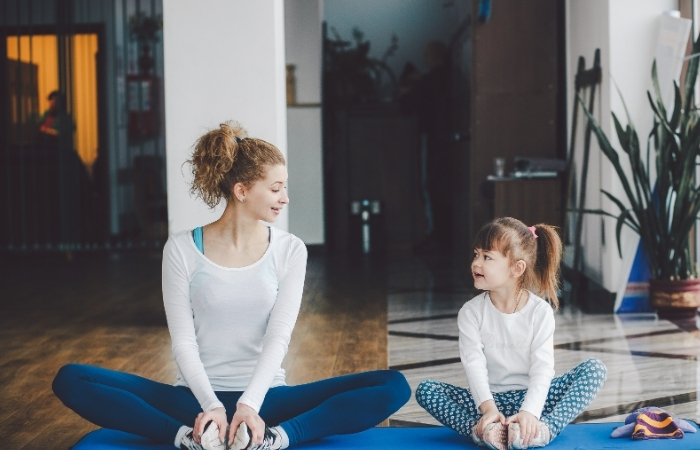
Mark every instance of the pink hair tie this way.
pixel 532 230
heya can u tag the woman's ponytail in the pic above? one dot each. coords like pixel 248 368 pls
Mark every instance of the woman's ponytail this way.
pixel 212 160
pixel 549 253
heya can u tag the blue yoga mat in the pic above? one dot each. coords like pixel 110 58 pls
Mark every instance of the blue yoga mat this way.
pixel 574 437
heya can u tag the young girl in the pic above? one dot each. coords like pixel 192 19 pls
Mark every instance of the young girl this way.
pixel 232 291
pixel 506 346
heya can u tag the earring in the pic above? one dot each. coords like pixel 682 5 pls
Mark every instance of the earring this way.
pixel 243 199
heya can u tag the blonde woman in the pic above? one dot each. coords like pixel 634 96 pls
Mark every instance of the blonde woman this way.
pixel 232 291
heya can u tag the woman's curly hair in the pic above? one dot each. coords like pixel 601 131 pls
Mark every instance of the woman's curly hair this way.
pixel 225 156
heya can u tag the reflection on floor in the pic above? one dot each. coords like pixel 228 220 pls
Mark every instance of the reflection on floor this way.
pixel 651 362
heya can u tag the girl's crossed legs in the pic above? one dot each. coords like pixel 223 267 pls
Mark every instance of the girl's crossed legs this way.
pixel 569 395
pixel 137 405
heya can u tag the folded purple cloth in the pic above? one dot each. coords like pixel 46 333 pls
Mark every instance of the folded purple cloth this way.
pixel 656 425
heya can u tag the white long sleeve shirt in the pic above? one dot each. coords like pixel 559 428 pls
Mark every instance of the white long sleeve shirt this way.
pixel 502 352
pixel 230 327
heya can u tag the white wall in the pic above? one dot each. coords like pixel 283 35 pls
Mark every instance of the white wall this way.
pixel 626 31
pixel 303 47
pixel 306 218
pixel 224 59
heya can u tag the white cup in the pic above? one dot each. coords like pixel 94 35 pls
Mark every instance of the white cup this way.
pixel 499 167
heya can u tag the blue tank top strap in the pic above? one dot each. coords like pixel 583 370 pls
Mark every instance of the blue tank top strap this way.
pixel 198 237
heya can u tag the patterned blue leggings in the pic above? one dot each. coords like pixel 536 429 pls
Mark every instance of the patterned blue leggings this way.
pixel 569 395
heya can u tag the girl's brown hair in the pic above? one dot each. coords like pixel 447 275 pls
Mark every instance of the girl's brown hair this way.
pixel 225 156
pixel 542 255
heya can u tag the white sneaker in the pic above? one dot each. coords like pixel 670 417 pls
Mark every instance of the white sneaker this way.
pixel 187 442
pixel 515 442
pixel 243 440
pixel 210 438
pixel 495 437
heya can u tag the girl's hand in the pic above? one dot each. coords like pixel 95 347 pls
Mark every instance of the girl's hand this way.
pixel 216 415
pixel 529 426
pixel 491 414
pixel 245 413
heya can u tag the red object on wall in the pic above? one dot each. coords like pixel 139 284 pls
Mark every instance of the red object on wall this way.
pixel 142 104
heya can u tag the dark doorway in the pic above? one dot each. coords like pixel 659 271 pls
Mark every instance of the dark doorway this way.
pixel 396 122
pixel 432 169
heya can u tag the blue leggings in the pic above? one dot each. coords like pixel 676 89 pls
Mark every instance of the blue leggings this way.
pixel 569 395
pixel 126 402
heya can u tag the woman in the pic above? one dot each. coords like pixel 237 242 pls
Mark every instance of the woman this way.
pixel 232 292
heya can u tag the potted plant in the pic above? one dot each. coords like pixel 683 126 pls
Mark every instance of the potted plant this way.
pixel 352 75
pixel 664 211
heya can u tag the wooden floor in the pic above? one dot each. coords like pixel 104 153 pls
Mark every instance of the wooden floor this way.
pixel 108 312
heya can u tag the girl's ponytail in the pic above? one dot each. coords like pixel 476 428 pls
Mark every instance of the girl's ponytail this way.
pixel 549 252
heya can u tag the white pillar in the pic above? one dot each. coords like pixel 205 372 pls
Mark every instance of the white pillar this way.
pixel 224 59
pixel 303 49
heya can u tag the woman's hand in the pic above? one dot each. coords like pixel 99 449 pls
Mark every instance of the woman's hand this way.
pixel 490 414
pixel 256 425
pixel 529 426
pixel 216 415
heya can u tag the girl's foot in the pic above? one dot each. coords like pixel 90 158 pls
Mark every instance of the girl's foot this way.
pixel 495 437
pixel 515 442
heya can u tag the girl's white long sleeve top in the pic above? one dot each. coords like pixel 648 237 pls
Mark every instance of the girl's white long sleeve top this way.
pixel 502 352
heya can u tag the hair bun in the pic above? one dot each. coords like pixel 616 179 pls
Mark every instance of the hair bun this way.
pixel 213 156
pixel 225 156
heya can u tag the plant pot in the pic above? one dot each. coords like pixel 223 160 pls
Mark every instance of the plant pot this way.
pixel 678 299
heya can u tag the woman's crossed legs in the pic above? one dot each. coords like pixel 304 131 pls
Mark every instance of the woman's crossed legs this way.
pixel 137 405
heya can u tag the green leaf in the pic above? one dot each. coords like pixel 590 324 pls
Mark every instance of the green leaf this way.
pixel 661 115
pixel 677 105
pixel 622 135
pixel 614 200
pixel 657 90
pixel 618 229
pixel 611 154
pixel 620 205
pixel 689 84
pixel 624 105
